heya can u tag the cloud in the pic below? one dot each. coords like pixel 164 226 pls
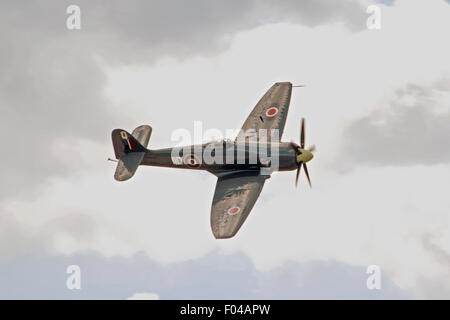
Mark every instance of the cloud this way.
pixel 433 287
pixel 145 30
pixel 52 80
pixel 410 127
pixel 57 117
pixel 211 277
pixel 50 90
pixel 18 238
pixel 144 296
pixel 314 13
pixel 442 256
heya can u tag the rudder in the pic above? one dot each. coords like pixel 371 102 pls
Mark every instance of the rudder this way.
pixel 142 134
pixel 125 143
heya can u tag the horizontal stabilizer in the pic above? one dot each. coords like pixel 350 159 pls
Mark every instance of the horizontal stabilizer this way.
pixel 128 165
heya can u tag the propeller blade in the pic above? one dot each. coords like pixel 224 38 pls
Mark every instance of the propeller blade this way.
pixel 312 148
pixel 298 173
pixel 307 174
pixel 302 134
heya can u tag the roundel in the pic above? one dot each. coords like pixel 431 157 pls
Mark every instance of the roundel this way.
pixel 233 211
pixel 192 161
pixel 271 111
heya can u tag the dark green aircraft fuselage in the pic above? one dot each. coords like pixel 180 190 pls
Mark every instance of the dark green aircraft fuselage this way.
pixel 225 156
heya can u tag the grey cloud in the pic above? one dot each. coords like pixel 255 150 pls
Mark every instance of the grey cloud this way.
pixel 16 238
pixel 50 89
pixel 145 29
pixel 19 239
pixel 51 85
pixel 438 253
pixel 211 277
pixel 313 13
pixel 435 287
pixel 181 28
pixel 411 128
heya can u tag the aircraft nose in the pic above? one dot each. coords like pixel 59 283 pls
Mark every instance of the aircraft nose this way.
pixel 304 156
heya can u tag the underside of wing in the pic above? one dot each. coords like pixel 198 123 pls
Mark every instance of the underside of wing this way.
pixel 234 198
pixel 270 114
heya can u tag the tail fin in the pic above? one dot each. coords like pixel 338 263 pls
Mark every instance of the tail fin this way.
pixel 142 134
pixel 130 150
pixel 125 143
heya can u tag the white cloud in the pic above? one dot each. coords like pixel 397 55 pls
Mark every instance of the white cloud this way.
pixel 144 296
pixel 368 216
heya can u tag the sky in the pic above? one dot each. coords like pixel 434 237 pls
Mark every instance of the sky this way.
pixel 376 103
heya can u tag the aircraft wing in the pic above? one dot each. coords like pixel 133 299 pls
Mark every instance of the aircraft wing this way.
pixel 234 197
pixel 269 113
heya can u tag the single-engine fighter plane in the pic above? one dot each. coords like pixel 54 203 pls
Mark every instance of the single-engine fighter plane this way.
pixel 242 166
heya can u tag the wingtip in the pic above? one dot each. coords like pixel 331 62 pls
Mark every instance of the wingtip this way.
pixel 223 237
pixel 281 83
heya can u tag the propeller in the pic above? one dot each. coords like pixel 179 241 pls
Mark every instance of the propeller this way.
pixel 303 155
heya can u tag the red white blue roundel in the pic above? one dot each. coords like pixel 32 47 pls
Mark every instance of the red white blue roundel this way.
pixel 192 161
pixel 233 211
pixel 271 112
